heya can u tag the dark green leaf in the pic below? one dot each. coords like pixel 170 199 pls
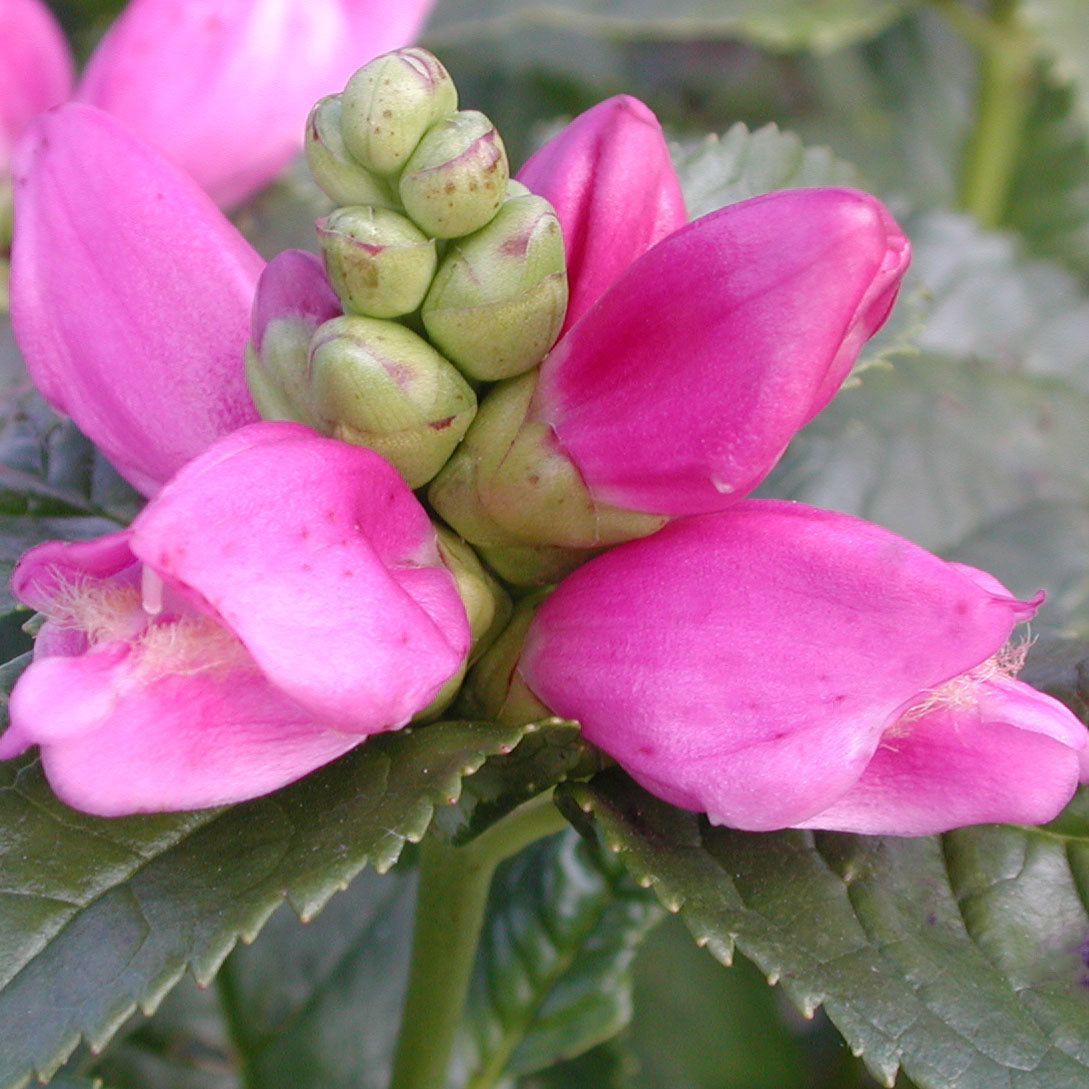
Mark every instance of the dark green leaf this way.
pixel 775 24
pixel 552 976
pixel 961 959
pixel 550 752
pixel 184 1046
pixel 604 1067
pixel 318 1004
pixel 1060 667
pixel 99 916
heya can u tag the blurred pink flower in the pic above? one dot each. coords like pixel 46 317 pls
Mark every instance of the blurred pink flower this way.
pixel 35 69
pixel 279 601
pixel 224 87
pixel 130 294
pixel 777 666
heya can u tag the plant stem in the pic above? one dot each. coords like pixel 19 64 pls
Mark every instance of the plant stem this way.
pixel 234 1021
pixel 452 896
pixel 1007 73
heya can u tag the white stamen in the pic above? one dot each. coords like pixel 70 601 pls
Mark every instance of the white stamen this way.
pixel 151 592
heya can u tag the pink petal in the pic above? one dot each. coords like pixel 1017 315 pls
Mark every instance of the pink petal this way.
pixel 35 69
pixel 224 87
pixel 610 178
pixel 130 294
pixel 114 742
pixel 1012 757
pixel 747 663
pixel 293 288
pixel 680 389
pixel 322 562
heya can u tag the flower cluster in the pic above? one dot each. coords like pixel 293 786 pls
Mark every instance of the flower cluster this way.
pixel 285 595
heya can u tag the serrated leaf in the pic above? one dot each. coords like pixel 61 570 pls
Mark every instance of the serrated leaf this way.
pixel 550 752
pixel 958 958
pixel 822 25
pixel 552 976
pixel 721 170
pixel 318 1004
pixel 135 901
pixel 184 1046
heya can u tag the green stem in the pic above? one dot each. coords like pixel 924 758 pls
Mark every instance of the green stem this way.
pixel 1004 97
pixel 452 896
pixel 234 1019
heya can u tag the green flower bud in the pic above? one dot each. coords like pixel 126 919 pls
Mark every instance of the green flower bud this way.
pixel 379 262
pixel 390 103
pixel 456 179
pixel 509 486
pixel 377 384
pixel 487 605
pixel 499 297
pixel 277 375
pixel 339 175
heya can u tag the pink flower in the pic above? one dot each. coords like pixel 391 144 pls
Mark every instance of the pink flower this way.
pixel 35 69
pixel 223 87
pixel 678 390
pixel 130 294
pixel 780 666
pixel 278 602
pixel 609 176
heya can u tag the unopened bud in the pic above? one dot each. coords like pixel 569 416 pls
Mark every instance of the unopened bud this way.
pixel 341 178
pixel 379 385
pixel 390 103
pixel 379 262
pixel 293 299
pixel 512 492
pixel 499 297
pixel 456 179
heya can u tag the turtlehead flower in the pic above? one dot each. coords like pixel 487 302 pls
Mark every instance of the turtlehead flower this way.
pixel 679 388
pixel 130 294
pixel 779 666
pixel 35 69
pixel 280 600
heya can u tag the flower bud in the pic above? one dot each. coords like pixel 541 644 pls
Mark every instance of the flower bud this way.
pixel 379 262
pixel 341 178
pixel 390 103
pixel 292 299
pixel 512 492
pixel 456 179
pixel 379 385
pixel 498 299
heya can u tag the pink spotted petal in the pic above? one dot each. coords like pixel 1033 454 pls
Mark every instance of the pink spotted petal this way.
pixel 115 742
pixel 610 178
pixel 747 663
pixel 1014 756
pixel 130 294
pixel 35 69
pixel 223 87
pixel 680 389
pixel 322 562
